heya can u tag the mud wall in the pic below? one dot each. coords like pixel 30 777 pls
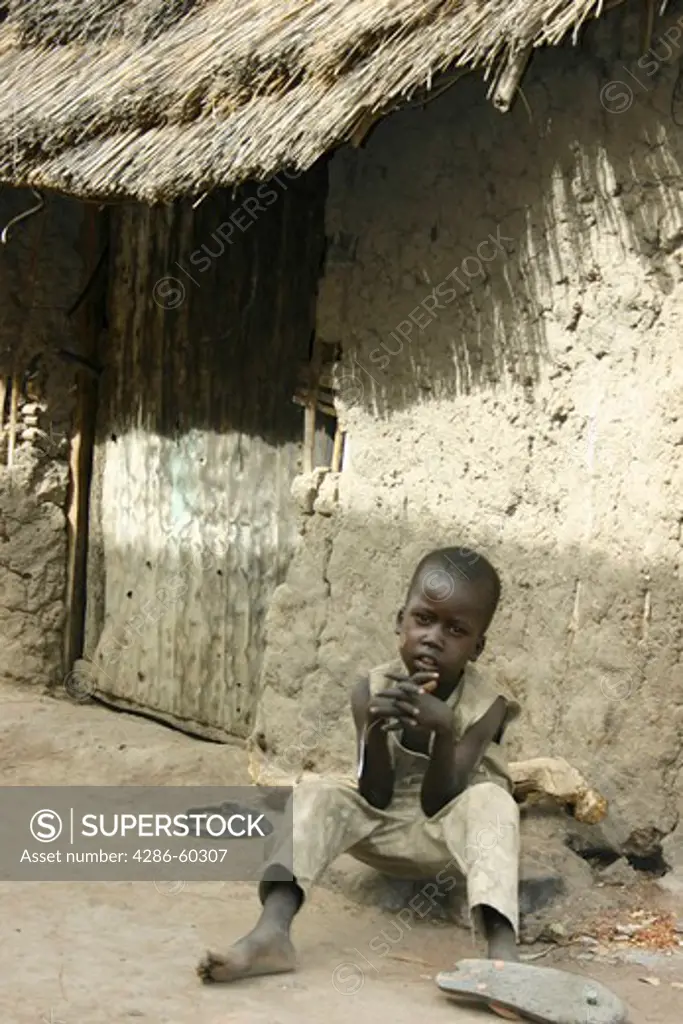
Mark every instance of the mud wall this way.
pixel 41 275
pixel 507 292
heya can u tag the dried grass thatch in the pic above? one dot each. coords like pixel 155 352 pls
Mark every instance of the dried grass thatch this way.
pixel 159 98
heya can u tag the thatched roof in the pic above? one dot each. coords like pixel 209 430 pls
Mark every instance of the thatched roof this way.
pixel 159 98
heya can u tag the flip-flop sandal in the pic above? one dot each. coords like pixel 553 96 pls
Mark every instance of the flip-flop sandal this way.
pixel 528 992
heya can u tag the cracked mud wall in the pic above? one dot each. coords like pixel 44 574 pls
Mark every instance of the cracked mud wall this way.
pixel 536 415
pixel 41 274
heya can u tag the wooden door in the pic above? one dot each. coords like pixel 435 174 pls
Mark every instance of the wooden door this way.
pixel 192 525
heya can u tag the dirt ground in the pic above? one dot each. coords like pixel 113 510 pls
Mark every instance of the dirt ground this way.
pixel 113 952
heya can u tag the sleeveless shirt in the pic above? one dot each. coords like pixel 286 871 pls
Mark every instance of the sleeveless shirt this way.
pixel 470 701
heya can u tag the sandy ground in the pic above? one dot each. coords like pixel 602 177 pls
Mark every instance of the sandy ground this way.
pixel 114 952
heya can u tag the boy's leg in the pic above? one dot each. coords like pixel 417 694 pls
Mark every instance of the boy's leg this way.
pixel 481 831
pixel 476 835
pixel 328 819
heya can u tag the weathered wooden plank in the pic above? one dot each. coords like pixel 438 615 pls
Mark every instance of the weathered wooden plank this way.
pixel 198 442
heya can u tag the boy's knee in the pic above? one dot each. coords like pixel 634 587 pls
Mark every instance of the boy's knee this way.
pixel 492 820
pixel 489 809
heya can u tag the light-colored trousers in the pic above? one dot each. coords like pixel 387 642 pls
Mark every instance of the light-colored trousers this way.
pixel 475 836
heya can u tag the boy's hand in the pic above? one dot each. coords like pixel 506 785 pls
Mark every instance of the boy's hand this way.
pixel 393 705
pixel 410 703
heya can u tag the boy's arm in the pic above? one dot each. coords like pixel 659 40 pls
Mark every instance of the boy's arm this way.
pixel 375 770
pixel 451 766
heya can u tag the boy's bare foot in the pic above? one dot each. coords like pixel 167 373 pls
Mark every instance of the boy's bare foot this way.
pixel 263 951
pixel 267 949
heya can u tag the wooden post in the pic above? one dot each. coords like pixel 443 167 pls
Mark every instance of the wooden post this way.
pixel 309 436
pixel 81 452
pixel 338 450
pixel 311 408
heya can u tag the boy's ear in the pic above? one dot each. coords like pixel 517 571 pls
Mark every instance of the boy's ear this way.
pixel 399 620
pixel 479 649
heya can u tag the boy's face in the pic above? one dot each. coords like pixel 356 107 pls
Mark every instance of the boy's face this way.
pixel 443 623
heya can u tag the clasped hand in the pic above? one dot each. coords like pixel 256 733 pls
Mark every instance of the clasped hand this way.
pixel 410 703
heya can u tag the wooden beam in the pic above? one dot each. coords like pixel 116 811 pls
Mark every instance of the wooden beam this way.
pixel 321 405
pixel 88 326
pixel 510 78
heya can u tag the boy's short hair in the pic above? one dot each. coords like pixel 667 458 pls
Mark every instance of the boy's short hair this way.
pixel 453 564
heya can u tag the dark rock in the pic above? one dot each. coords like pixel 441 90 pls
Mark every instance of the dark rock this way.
pixel 538 892
pixel 619 873
pixel 548 868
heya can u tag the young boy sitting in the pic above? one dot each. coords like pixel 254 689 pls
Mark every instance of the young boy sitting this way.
pixel 433 786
